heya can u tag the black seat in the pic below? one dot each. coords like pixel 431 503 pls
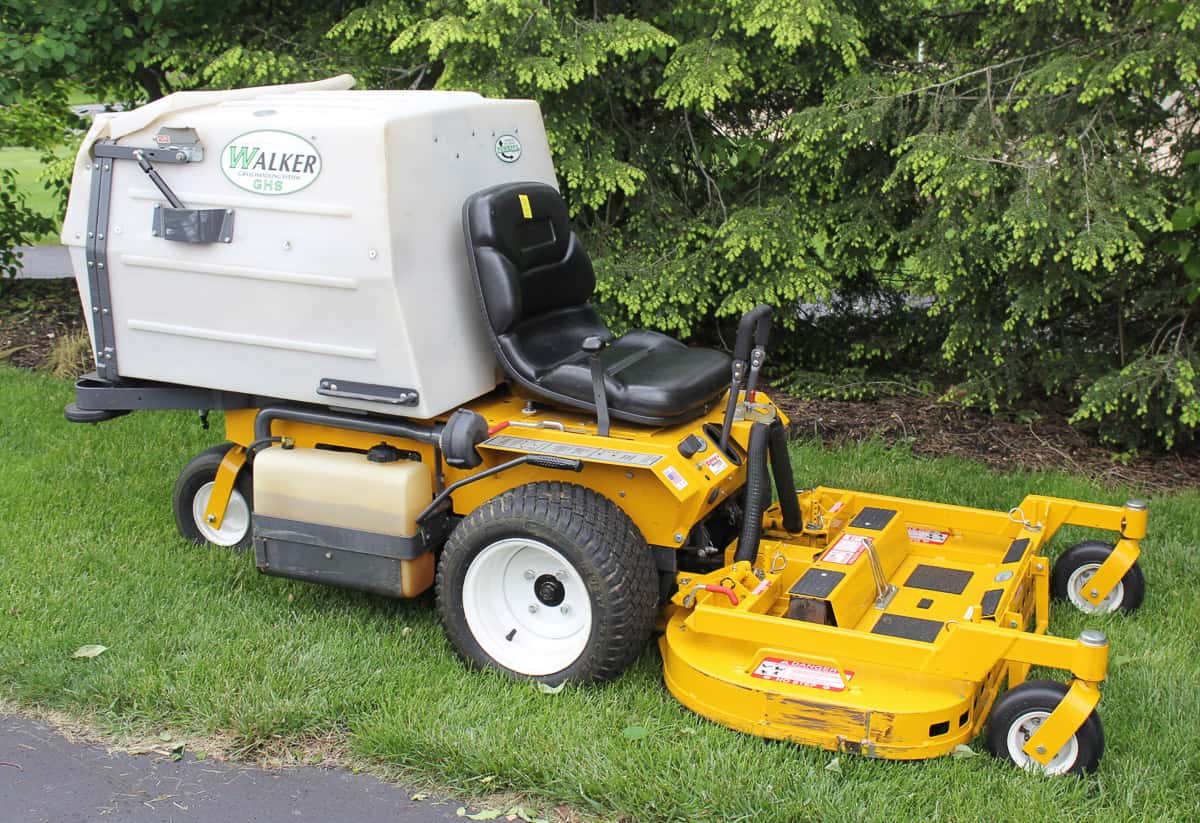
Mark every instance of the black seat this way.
pixel 534 281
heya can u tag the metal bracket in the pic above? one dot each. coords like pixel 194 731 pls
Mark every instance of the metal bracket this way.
pixel 193 225
pixel 349 390
pixel 96 255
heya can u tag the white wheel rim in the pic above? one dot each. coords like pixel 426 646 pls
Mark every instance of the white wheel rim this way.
pixel 1079 582
pixel 234 525
pixel 1018 735
pixel 524 631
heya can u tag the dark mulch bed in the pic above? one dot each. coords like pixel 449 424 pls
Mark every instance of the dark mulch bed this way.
pixel 938 429
pixel 34 312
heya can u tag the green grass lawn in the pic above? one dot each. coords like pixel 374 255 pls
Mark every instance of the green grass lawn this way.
pixel 200 643
pixel 27 164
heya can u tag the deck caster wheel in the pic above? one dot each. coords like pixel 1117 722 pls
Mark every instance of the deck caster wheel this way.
pixel 193 490
pixel 1078 564
pixel 549 581
pixel 1020 712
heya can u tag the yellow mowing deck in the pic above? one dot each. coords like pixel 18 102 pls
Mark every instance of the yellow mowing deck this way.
pixel 886 627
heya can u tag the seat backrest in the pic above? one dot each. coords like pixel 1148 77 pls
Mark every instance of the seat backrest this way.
pixel 525 258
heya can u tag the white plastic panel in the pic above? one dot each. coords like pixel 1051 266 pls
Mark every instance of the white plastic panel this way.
pixel 360 275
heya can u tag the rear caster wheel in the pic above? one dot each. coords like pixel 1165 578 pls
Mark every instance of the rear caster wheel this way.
pixel 1075 568
pixel 1021 711
pixel 193 490
pixel 550 581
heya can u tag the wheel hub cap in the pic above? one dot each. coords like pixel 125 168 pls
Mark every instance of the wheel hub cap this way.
pixel 1080 582
pixel 527 607
pixel 549 590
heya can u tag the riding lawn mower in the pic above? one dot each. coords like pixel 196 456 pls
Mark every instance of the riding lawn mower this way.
pixel 383 295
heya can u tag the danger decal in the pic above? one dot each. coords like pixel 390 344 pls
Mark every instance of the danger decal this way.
pixel 802 673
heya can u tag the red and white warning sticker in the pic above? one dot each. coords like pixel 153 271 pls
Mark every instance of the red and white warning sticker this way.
pixel 836 507
pixel 800 673
pixel 716 464
pixel 933 537
pixel 847 549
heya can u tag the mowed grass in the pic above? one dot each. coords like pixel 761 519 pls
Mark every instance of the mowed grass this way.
pixel 200 643
pixel 27 165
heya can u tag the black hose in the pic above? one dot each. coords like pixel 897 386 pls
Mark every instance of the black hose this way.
pixel 757 485
pixel 253 448
pixel 785 482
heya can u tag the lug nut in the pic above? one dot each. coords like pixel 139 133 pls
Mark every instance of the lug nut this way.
pixel 529 575
pixel 212 518
pixel 532 608
pixel 565 609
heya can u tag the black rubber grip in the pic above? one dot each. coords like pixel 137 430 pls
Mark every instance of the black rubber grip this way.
pixel 753 329
pixel 549 461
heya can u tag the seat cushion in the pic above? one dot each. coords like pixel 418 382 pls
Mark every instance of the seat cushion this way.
pixel 647 374
pixel 533 280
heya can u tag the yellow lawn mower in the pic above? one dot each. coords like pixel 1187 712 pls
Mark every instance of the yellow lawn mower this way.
pixel 417 392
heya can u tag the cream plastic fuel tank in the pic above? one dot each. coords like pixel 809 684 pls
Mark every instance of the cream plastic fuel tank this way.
pixel 340 519
pixel 345 266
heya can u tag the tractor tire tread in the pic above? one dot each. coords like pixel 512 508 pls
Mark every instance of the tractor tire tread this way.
pixel 604 535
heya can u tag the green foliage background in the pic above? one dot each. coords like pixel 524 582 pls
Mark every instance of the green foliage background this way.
pixel 999 197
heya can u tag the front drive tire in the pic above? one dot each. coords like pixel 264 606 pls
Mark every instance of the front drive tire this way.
pixel 192 492
pixel 1020 712
pixel 550 581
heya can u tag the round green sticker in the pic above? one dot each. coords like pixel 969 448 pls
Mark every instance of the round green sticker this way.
pixel 508 148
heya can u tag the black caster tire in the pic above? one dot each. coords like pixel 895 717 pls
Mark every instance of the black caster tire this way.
pixel 549 581
pixel 1076 566
pixel 1019 713
pixel 192 492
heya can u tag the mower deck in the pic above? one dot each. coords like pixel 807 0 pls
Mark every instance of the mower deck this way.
pixel 886 627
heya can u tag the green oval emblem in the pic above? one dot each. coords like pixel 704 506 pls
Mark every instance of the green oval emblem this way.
pixel 270 162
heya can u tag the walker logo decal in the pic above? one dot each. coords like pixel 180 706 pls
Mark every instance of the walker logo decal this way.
pixel 270 162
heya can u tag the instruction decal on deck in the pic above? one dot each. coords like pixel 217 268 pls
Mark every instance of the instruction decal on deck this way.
pixel 847 549
pixel 716 464
pixel 677 479
pixel 800 673
pixel 836 507
pixel 268 161
pixel 932 537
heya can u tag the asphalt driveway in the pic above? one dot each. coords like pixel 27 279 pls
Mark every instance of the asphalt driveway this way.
pixel 44 778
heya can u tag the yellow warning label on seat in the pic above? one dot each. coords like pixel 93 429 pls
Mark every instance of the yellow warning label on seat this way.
pixel 526 209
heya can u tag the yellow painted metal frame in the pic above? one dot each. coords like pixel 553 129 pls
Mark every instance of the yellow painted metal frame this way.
pixel 711 646
pixel 664 511
pixel 226 476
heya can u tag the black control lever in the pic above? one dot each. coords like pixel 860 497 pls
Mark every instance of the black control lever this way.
pixel 749 353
